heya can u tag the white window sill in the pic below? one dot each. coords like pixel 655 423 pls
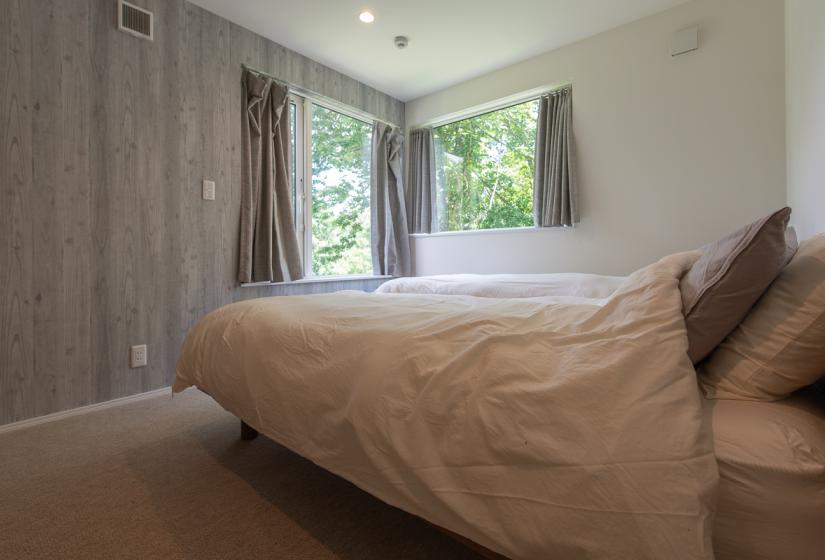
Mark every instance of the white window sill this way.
pixel 317 280
pixel 485 231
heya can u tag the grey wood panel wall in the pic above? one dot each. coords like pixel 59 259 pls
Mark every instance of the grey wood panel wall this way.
pixel 105 241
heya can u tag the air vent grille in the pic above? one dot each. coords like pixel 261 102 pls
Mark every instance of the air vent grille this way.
pixel 133 20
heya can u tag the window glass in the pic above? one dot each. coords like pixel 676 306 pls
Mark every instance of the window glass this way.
pixel 484 169
pixel 340 194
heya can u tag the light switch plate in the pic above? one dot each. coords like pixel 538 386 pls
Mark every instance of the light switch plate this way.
pixel 138 356
pixel 208 190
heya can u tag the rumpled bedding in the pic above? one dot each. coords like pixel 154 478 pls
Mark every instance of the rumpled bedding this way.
pixel 507 285
pixel 537 427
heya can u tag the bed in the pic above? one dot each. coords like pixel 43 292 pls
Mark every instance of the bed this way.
pixel 771 498
pixel 537 427
pixel 507 285
pixel 555 416
pixel 771 455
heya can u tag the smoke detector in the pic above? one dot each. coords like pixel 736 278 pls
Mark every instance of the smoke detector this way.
pixel 401 42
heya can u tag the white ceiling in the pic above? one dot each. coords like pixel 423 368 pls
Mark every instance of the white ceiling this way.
pixel 450 40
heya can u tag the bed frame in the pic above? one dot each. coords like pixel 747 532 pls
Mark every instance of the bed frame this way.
pixel 248 433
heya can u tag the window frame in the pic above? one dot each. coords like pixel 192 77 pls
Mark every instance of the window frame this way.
pixel 475 113
pixel 303 178
pixel 481 109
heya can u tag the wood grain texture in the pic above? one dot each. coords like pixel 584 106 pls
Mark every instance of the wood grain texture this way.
pixel 167 169
pixel 74 384
pixel 110 261
pixel 60 218
pixel 171 38
pixel 17 381
pixel 105 241
pixel 48 199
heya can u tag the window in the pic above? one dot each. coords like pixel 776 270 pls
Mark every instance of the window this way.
pixel 484 169
pixel 331 189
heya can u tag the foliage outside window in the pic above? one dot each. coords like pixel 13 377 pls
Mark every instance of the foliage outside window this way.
pixel 340 194
pixel 335 223
pixel 484 169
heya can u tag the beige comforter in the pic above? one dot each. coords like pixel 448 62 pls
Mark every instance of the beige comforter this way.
pixel 537 428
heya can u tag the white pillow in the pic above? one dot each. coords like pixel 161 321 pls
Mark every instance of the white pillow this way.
pixel 780 346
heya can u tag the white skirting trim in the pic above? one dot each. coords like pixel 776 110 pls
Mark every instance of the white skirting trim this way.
pixel 82 410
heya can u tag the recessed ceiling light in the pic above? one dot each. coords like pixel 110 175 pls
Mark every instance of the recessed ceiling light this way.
pixel 366 16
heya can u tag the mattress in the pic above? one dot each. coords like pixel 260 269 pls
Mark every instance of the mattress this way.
pixel 771 498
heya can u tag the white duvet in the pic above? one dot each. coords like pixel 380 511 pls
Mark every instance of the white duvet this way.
pixel 539 429
pixel 507 285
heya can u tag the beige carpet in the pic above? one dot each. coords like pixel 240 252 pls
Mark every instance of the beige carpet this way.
pixel 169 478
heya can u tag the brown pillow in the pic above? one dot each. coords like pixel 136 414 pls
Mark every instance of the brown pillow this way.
pixel 732 273
pixel 780 346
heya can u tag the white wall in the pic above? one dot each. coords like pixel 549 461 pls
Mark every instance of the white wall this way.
pixel 674 152
pixel 805 59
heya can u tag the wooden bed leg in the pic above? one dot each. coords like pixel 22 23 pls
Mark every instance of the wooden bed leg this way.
pixel 248 433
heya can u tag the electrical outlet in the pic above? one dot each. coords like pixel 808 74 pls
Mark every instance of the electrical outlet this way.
pixel 138 357
pixel 208 190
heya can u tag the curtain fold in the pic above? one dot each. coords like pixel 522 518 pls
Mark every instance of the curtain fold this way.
pixel 390 240
pixel 269 248
pixel 555 184
pixel 421 189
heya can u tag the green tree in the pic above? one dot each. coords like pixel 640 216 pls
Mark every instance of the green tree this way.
pixel 485 169
pixel 340 194
pixel 485 180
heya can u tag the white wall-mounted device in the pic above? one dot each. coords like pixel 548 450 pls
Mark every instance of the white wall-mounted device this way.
pixel 138 356
pixel 684 41
pixel 208 190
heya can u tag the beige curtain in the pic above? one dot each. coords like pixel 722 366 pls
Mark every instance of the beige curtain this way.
pixel 554 187
pixel 269 249
pixel 421 193
pixel 390 240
